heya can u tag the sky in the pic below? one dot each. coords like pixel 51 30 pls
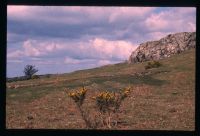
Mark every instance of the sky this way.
pixel 68 38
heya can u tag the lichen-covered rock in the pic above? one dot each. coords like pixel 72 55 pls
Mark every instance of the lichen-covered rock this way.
pixel 165 47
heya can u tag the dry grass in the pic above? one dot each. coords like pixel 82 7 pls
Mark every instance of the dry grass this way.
pixel 162 98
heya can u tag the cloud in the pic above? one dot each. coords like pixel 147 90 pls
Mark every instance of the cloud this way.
pixel 112 23
pixel 72 22
pixel 74 37
pixel 129 13
pixel 174 20
pixel 34 48
pixel 97 48
pixel 69 60
pixel 29 50
pixel 47 62
pixel 156 22
pixel 14 37
pixel 19 11
pixel 192 26
pixel 15 54
pixel 73 14
pixel 154 36
pixel 104 62
pixel 14 61
pixel 113 49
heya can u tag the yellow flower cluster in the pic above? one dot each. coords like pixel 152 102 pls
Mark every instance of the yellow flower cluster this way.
pixel 78 96
pixel 125 92
pixel 106 100
pixel 105 96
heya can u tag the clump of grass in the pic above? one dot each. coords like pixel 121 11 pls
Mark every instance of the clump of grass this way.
pixel 153 64
pixel 174 93
pixel 107 104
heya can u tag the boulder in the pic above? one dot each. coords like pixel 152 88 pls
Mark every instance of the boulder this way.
pixel 163 48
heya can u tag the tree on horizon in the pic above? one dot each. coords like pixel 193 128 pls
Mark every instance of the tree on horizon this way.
pixel 30 70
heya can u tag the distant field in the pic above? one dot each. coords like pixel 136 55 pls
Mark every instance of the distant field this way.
pixel 162 98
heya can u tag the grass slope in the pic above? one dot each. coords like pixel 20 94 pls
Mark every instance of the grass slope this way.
pixel 163 98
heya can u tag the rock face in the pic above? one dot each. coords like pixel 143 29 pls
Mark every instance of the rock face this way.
pixel 165 47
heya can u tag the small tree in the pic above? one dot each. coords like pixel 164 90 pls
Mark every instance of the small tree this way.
pixel 29 70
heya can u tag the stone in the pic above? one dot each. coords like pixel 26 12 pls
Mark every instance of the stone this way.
pixel 163 48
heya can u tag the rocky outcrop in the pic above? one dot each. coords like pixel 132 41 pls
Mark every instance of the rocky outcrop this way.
pixel 165 47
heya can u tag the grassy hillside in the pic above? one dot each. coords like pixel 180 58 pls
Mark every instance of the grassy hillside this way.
pixel 162 98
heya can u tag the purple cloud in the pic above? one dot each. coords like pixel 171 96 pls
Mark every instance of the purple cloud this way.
pixel 71 38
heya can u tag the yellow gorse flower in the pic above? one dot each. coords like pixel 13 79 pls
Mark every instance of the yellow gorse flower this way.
pixel 78 96
pixel 72 94
pixel 127 90
pixel 105 96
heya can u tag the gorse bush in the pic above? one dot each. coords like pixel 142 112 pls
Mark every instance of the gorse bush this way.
pixel 78 96
pixel 153 64
pixel 104 100
pixel 107 101
pixel 107 104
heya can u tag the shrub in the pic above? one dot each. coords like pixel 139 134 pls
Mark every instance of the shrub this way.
pixel 153 64
pixel 78 97
pixel 35 77
pixel 48 76
pixel 107 104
